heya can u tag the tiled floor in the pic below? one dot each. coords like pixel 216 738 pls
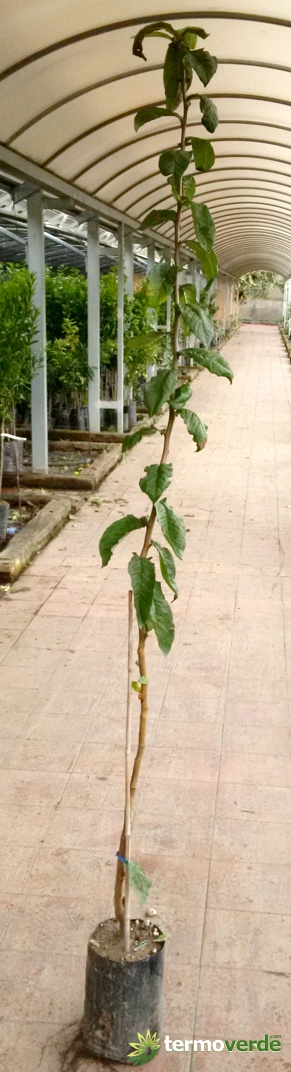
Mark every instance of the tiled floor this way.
pixel 212 825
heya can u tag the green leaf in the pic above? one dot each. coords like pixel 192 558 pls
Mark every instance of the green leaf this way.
pixel 147 114
pixel 145 340
pixel 162 278
pixel 174 162
pixel 152 30
pixel 130 441
pixel 213 361
pixel 195 427
pixel 167 566
pixel 156 481
pixel 162 620
pixel 203 152
pixel 116 532
pixel 159 390
pixel 187 293
pixel 203 64
pixel 196 30
pixel 142 575
pixel 144 680
pixel 210 114
pixel 208 261
pixel 138 880
pixel 182 394
pixel 136 686
pixel 158 215
pixel 204 226
pixel 172 526
pixel 173 74
pixel 188 187
pixel 199 322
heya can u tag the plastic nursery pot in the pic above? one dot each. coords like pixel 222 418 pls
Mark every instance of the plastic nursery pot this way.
pixel 4 511
pixel 122 996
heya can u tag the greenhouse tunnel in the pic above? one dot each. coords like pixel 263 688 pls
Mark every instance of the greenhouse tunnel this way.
pixel 69 88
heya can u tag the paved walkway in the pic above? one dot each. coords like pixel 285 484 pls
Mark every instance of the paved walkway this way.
pixel 213 820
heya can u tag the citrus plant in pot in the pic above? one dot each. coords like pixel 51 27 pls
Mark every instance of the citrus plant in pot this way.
pixel 18 317
pixel 126 957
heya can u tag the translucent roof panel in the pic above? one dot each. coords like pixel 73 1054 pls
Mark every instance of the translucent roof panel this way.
pixel 69 88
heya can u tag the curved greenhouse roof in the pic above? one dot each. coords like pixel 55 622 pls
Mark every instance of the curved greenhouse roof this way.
pixel 69 88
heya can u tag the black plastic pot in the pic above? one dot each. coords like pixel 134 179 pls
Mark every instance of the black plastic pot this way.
pixel 122 997
pixel 4 511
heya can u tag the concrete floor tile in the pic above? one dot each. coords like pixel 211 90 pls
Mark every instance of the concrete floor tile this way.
pixel 263 740
pixel 24 825
pixel 200 766
pixel 242 939
pixel 251 841
pixel 50 992
pixel 31 787
pixel 41 755
pixel 255 769
pixel 57 870
pixel 263 803
pixel 242 1003
pixel 16 862
pixel 249 887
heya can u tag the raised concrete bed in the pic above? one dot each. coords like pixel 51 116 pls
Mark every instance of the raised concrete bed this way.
pixel 35 535
pixel 86 481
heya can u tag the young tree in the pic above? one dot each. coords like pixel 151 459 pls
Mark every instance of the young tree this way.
pixel 155 564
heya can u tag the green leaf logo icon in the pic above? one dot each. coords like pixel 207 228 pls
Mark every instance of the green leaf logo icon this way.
pixel 145 1049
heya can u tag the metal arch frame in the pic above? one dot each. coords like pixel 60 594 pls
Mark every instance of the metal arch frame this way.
pixel 131 111
pixel 156 133
pixel 210 180
pixel 138 21
pixel 93 86
pixel 269 182
pixel 252 261
pixel 219 156
pixel 214 141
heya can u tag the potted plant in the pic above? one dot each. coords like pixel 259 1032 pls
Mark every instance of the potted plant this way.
pixel 68 376
pixel 18 317
pixel 125 957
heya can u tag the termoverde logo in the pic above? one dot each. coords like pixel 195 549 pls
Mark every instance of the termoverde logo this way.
pixel 145 1049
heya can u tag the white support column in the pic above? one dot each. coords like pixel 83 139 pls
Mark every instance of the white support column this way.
pixel 36 264
pixel 151 257
pixel 120 328
pixel 128 263
pixel 93 278
pixel 151 260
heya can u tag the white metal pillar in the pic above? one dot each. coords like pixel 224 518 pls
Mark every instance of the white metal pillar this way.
pixel 36 264
pixel 120 328
pixel 93 279
pixel 151 260
pixel 128 263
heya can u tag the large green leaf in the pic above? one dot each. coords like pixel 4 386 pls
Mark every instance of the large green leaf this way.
pixel 173 74
pixel 154 29
pixel 157 216
pixel 213 361
pixel 145 340
pixel 203 152
pixel 209 114
pixel 172 526
pixel 174 162
pixel 204 226
pixel 157 480
pixel 188 187
pixel 208 260
pixel 182 394
pixel 142 575
pixel 159 389
pixel 161 620
pixel 162 278
pixel 131 441
pixel 115 532
pixel 195 427
pixel 147 114
pixel 187 294
pixel 167 566
pixel 199 322
pixel 203 64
